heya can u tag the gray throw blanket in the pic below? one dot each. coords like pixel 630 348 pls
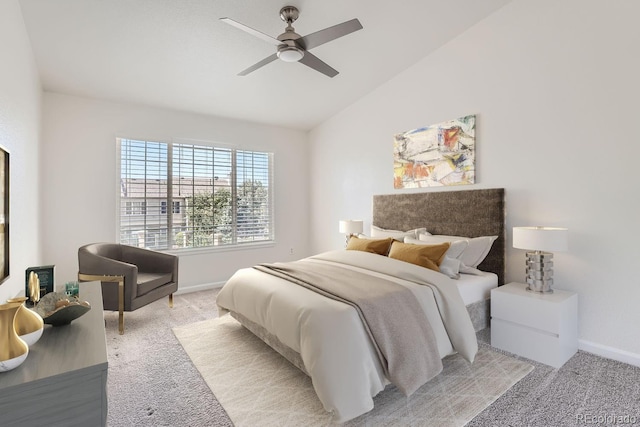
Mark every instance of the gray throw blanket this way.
pixel 390 313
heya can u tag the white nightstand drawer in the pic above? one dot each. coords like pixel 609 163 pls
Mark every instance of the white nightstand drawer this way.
pixel 533 344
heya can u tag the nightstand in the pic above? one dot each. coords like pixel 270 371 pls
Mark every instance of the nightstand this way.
pixel 542 327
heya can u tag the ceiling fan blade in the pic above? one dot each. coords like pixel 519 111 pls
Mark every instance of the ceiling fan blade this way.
pixel 312 61
pixel 253 32
pixel 257 65
pixel 331 33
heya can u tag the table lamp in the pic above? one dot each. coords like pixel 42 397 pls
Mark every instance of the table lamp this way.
pixel 540 242
pixel 350 227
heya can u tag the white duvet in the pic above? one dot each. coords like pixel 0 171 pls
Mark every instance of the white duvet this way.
pixel 329 335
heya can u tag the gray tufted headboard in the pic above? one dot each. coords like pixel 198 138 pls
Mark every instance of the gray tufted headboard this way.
pixel 470 213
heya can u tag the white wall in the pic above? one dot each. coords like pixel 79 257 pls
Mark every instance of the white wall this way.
pixel 555 88
pixel 80 180
pixel 20 103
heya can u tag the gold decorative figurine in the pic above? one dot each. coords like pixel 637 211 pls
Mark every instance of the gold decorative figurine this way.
pixel 34 287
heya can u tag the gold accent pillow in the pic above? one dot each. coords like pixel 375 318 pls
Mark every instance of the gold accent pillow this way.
pixel 375 246
pixel 428 256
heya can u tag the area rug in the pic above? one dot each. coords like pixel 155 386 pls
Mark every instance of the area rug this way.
pixel 257 386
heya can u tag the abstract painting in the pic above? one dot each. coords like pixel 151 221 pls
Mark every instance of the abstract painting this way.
pixel 436 155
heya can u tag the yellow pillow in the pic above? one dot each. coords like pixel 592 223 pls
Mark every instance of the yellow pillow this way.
pixel 429 256
pixel 375 246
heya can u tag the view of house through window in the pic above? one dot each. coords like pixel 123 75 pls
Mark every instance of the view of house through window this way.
pixel 175 195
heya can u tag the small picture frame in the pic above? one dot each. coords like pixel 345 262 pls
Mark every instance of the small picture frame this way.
pixel 45 275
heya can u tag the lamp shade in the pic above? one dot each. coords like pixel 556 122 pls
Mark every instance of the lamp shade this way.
pixel 549 239
pixel 351 226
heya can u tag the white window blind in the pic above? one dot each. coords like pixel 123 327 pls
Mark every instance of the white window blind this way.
pixel 176 196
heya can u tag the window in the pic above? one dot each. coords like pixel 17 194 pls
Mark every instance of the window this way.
pixel 218 196
pixel 163 207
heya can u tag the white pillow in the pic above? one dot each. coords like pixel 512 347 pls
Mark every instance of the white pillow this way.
pixel 450 264
pixel 377 233
pixel 475 252
pixel 450 267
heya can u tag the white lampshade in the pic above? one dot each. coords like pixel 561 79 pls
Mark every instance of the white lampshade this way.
pixel 549 239
pixel 351 226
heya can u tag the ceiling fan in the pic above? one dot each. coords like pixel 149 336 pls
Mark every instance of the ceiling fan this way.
pixel 294 48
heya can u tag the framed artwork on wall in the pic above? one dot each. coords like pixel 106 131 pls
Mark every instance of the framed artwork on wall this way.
pixel 436 155
pixel 4 214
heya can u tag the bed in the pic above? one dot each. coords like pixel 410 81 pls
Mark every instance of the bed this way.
pixel 327 338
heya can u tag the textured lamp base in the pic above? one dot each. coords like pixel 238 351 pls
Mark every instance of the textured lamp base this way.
pixel 539 272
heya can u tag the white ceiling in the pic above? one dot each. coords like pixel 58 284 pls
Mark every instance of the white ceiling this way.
pixel 177 53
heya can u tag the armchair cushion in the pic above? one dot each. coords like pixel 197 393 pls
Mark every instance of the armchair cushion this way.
pixel 149 281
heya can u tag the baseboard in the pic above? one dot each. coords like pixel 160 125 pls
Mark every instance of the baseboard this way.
pixel 196 288
pixel 610 352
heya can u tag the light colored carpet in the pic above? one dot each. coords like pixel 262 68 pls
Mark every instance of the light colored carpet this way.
pixel 257 386
pixel 151 380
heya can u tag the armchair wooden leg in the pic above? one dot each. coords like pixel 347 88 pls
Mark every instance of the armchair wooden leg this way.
pixel 170 300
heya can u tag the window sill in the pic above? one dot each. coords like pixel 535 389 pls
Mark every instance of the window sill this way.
pixel 222 248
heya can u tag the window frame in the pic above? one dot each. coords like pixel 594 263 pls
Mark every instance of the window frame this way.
pixel 179 208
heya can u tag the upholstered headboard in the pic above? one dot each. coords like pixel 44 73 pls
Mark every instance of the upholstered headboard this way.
pixel 470 213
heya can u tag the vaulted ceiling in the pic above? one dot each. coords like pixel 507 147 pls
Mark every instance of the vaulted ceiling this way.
pixel 177 54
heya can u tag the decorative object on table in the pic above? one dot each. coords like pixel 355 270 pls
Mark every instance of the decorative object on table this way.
pixel 13 350
pixel 57 309
pixel 72 289
pixel 33 289
pixel 350 227
pixel 540 242
pixel 4 214
pixel 45 275
pixel 436 155
pixel 28 324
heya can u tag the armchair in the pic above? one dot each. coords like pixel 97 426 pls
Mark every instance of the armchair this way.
pixel 142 275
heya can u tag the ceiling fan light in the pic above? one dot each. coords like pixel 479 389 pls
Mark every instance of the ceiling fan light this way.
pixel 290 54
